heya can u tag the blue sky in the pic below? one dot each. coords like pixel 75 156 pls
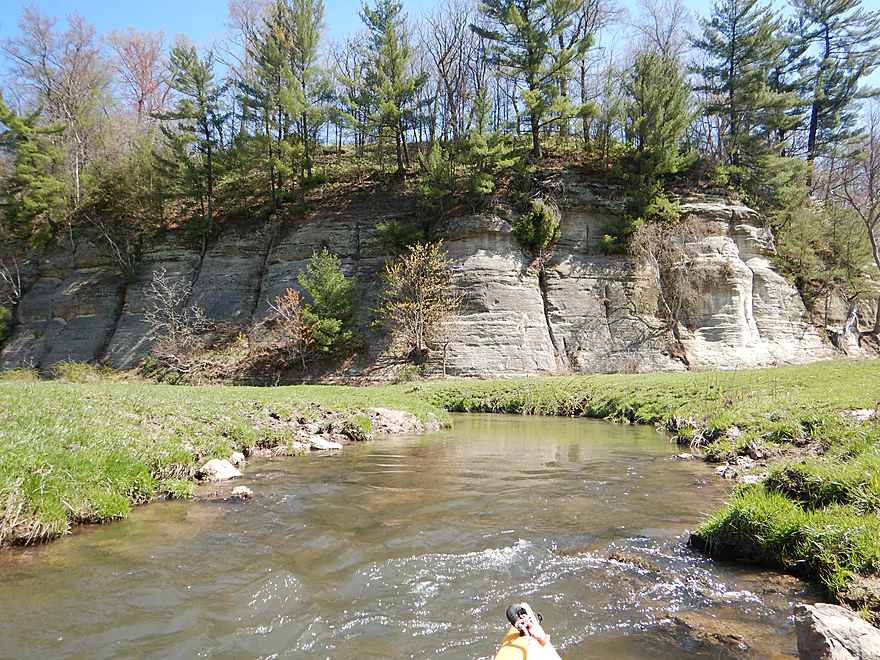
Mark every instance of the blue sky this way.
pixel 203 19
pixel 199 19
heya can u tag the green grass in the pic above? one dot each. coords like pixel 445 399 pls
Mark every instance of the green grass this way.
pixel 835 543
pixel 87 452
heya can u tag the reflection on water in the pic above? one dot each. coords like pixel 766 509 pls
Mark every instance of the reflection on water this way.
pixel 410 547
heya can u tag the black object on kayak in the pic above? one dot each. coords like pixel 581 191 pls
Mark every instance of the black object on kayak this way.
pixel 516 612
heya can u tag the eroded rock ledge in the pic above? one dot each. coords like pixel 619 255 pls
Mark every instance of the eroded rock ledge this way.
pixel 579 311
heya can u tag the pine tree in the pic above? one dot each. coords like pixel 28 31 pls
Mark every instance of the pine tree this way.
pixel 311 86
pixel 838 40
pixel 266 101
pixel 330 313
pixel 657 116
pixel 658 112
pixel 193 132
pixel 526 37
pixel 485 152
pixel 743 49
pixel 391 85
pixel 33 199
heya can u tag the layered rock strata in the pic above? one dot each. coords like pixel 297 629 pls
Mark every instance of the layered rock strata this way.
pixel 574 310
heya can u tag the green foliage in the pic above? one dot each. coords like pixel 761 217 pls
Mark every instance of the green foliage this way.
pixel 125 195
pixel 658 112
pixel 21 375
pixel 436 180
pixel 617 232
pixel 283 100
pixel 486 153
pixel 418 300
pixel 7 323
pixel 408 373
pixel 398 235
pixel 825 250
pixel 390 86
pixel 528 39
pixel 191 163
pixel 330 313
pixel 835 543
pixel 742 49
pixel 836 41
pixel 33 198
pixel 77 372
pixel 538 228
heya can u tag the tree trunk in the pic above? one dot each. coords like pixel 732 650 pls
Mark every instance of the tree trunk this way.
pixel 877 318
pixel 536 137
pixel 398 143
pixel 849 326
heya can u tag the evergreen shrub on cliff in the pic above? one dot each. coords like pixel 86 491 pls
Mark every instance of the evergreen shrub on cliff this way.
pixel 538 227
pixel 330 313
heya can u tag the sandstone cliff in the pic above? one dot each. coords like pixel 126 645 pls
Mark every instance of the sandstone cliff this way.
pixel 575 310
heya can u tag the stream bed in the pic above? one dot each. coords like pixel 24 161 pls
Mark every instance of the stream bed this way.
pixel 412 547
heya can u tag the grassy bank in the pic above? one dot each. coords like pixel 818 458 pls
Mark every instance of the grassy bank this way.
pixel 814 512
pixel 74 453
pixel 87 452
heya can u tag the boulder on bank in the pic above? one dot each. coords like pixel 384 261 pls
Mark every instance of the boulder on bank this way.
pixel 218 469
pixel 831 632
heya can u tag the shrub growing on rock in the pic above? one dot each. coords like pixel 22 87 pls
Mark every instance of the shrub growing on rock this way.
pixel 538 228
pixel 329 316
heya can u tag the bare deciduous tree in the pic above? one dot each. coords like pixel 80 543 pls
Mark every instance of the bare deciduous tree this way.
pixel 10 282
pixel 138 61
pixel 66 75
pixel 858 185
pixel 450 42
pixel 294 332
pixel 175 325
pixel 679 286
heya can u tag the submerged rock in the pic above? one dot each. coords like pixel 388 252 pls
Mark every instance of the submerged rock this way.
pixel 219 469
pixel 320 444
pixel 831 632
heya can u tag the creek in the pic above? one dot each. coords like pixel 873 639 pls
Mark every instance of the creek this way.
pixel 412 547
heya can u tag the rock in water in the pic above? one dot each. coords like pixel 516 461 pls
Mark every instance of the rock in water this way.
pixel 219 469
pixel 243 492
pixel 831 632
pixel 237 458
pixel 320 444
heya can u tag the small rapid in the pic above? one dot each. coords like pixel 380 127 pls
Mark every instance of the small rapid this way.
pixel 412 547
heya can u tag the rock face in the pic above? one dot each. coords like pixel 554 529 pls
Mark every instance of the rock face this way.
pixel 574 311
pixel 831 632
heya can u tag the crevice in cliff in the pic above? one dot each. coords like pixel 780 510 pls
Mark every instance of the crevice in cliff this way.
pixel 118 312
pixel 198 271
pixel 752 301
pixel 559 355
pixel 264 262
